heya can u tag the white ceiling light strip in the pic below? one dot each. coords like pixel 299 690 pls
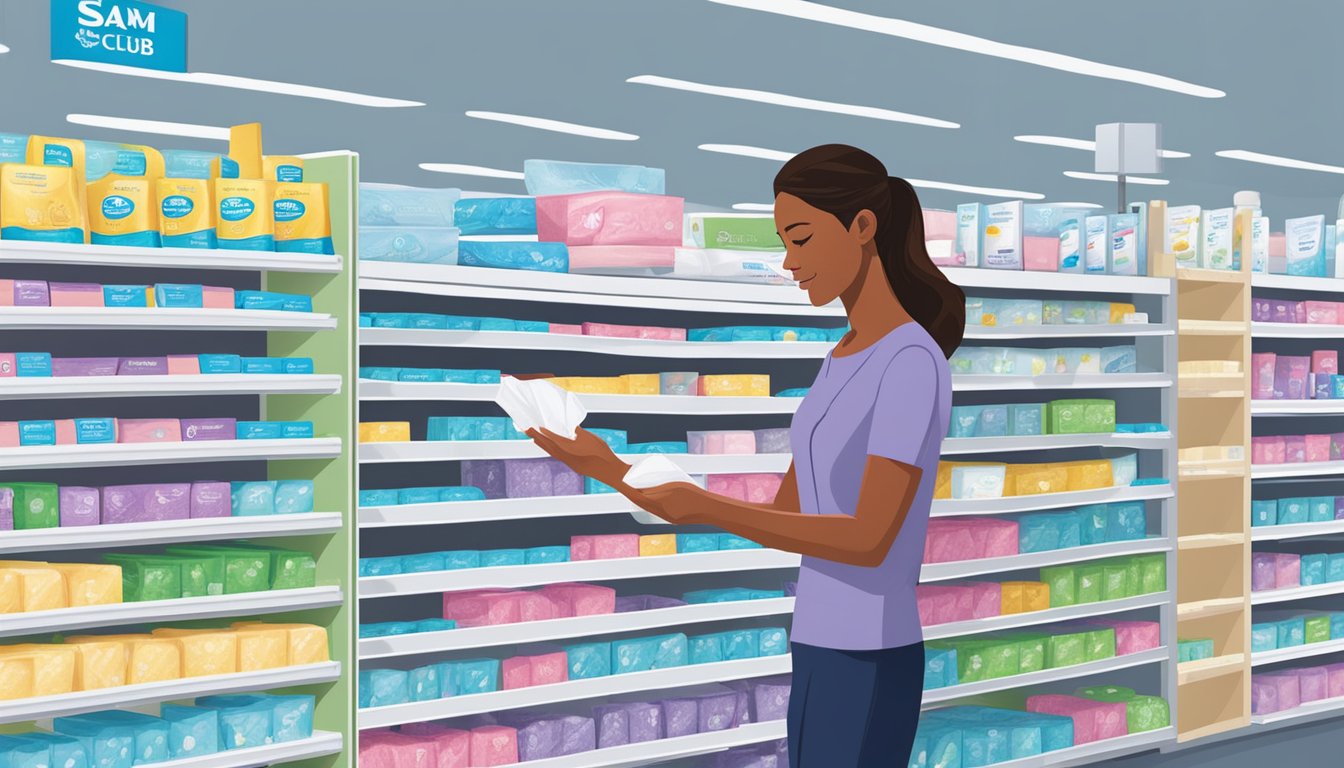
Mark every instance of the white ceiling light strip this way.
pixel 1283 162
pixel 4 48
pixel 766 207
pixel 947 38
pixel 556 126
pixel 1087 144
pixel 1088 176
pixel 247 84
pixel 762 153
pixel 150 126
pixel 471 170
pixel 796 102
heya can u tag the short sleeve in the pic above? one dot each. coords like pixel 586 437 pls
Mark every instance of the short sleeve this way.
pixel 903 411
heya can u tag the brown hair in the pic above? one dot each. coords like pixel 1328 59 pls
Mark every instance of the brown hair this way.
pixel 842 181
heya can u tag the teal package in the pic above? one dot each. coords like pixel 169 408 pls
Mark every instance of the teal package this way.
pixel 422 375
pixel 391 320
pixel 263 365
pixel 470 376
pixel 13 148
pixel 95 431
pixel 220 363
pixel 492 558
pixel 705 649
pixel 16 752
pixel 428 495
pixel 32 364
pixel 461 493
pixel 293 497
pixel 615 438
pixel 1321 509
pixel 65 751
pixel 126 295
pixel 540 555
pixel 461 559
pixel 427 322
pixel 296 430
pixel 665 446
pixel 178 296
pixel 497 324
pixel 286 302
pixel 291 717
pixel 380 373
pixel 383 497
pixel 294 303
pixel 250 498
pixel 298 365
pixel 532 326
pixel 697 542
pixel 1264 637
pixel 191 164
pixel 365 320
pixel 259 430
pixel 1264 512
pixel 537 257
pixel 40 432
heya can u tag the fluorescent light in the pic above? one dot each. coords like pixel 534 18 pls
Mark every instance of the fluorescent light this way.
pixel 748 151
pixel 471 170
pixel 1111 177
pixel 246 84
pixel 767 207
pixel 553 125
pixel 4 48
pixel 1283 162
pixel 1075 205
pixel 947 38
pixel 1087 144
pixel 150 126
pixel 797 102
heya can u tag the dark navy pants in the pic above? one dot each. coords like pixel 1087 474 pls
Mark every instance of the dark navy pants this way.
pixel 854 709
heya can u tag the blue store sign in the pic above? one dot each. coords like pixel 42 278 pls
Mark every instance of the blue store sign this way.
pixel 125 32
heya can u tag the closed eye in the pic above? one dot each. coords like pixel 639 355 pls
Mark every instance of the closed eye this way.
pixel 803 241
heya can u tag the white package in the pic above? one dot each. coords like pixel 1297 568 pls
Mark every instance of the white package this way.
pixel 538 403
pixel 650 471
pixel 728 265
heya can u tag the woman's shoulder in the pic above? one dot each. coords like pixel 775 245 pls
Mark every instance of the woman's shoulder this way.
pixel 910 342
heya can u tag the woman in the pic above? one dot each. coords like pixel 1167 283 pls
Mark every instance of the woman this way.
pixel 866 440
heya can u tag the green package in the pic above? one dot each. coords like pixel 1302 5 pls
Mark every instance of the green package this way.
pixel 979 660
pixel 1154 570
pixel 36 505
pixel 1066 649
pixel 290 569
pixel 1147 713
pixel 1063 583
pixel 144 579
pixel 1089 584
pixel 1107 693
pixel 1076 417
pixel 1100 644
pixel 1317 628
pixel 1030 649
pixel 245 570
pixel 741 233
pixel 1115 583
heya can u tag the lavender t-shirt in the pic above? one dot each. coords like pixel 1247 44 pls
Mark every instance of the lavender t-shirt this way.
pixel 892 399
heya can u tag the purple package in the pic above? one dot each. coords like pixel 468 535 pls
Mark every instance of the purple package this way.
pixel 770 699
pixel 486 474
pixel 632 603
pixel 681 717
pixel 1339 507
pixel 1281 311
pixel 718 711
pixel 211 500
pixel 579 735
pixel 773 440
pixel 31 293
pixel 84 366
pixel 1299 311
pixel 79 506
pixel 613 725
pixel 1262 571
pixel 527 478
pixel 565 481
pixel 1294 449
pixel 146 503
pixel 658 601
pixel 143 366
pixel 1260 311
pixel 646 722
pixel 790 589
pixel 6 509
pixel 197 430
pixel 539 739
pixel 1290 377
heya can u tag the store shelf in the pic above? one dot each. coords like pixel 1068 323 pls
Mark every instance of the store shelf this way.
pixel 462 450
pixel 167 532
pixel 321 744
pixel 573 690
pixel 965 568
pixel 1297 407
pixel 975 382
pixel 156 611
pixel 1011 504
pixel 1105 330
pixel 679 748
pixel 953 446
pixel 558 629
pixel 159 319
pixel 1297 531
pixel 16 252
pixel 1307 651
pixel 1305 713
pixel 1206 669
pixel 1267 596
pixel 493 510
pixel 1296 331
pixel 1049 616
pixel 514 576
pixel 1203 609
pixel 1310 469
pixel 1294 283
pixel 1210 541
pixel 162 386
pixel 128 454
pixel 1004 279
pixel 598 345
pixel 1212 327
pixel 24 710
pixel 1096 751
pixel 370 390
pixel 1202 469
pixel 1200 275
pixel 1228 385
pixel 1045 676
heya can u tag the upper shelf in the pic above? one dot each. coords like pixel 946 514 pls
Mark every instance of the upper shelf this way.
pixel 23 252
pixel 601 345
pixel 160 319
pixel 128 454
pixel 1061 282
pixel 1296 331
pixel 1300 284
pixel 66 387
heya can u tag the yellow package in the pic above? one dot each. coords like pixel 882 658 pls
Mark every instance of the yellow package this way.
pixel 245 149
pixel 50 150
pixel 149 659
pixel 385 432
pixel 40 588
pixel 11 592
pixel 262 646
pixel 53 666
pixel 642 383
pixel 124 211
pixel 205 652
pixel 140 160
pixel 1030 479
pixel 658 544
pixel 43 203
pixel 186 213
pixel 1088 475
pixel 244 214
pixel 302 221
pixel 90 584
pixel 282 168
pixel 1119 310
pixel 16 677
pixel 735 385
pixel 100 664
pixel 307 642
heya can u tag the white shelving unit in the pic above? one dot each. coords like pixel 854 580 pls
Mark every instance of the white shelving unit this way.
pixel 162 319
pixel 168 531
pixel 165 386
pixel 322 744
pixel 21 252
pixel 680 748
pixel 130 454
pixel 425 450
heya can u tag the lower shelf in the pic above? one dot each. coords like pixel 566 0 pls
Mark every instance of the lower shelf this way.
pixel 1205 669
pixel 682 747
pixel 1306 651
pixel 1096 751
pixel 960 569
pixel 321 744
pixel 1296 531
pixel 168 532
pixel 1048 616
pixel 43 707
pixel 1306 713
pixel 964 690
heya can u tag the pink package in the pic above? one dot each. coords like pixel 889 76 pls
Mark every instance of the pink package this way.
pixel 1323 361
pixel 1287 570
pixel 634 332
pixel 9 434
pixel 1261 311
pixel 722 442
pixel 993 538
pixel 515 672
pixel 1321 312
pixel 986 598
pixel 580 599
pixel 1290 377
pixel 762 487
pixel 940 225
pixel 548 668
pixel 610 218
pixel 604 547
pixel 1268 449
pixel 567 329
pixel 734 486
pixel 1294 449
pixel 386 749
pixel 216 297
pixel 6 293
pixel 1262 375
pixel 65 432
pixel 1318 447
pixel 482 608
pixel 184 365
pixel 1264 696
pixel 1313 683
pixel 1133 636
pixel 939 604
pixel 583 257
pixel 1262 571
pixel 535 606
pixel 7 365
pixel 494 745
pixel 1287 690
pixel 1092 720
pixel 1335 674
pixel 454 745
pixel 76 294
pixel 1040 254
pixel 947 540
pixel 149 431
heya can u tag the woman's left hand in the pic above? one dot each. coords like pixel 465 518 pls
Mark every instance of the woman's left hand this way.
pixel 677 503
pixel 586 454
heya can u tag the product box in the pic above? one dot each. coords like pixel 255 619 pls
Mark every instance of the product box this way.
pixel 1003 235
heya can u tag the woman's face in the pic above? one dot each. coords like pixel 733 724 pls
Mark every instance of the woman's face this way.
pixel 825 257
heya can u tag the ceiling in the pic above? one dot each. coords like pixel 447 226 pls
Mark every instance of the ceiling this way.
pixel 569 61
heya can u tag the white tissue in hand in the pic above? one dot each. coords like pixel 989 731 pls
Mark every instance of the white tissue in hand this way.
pixel 537 403
pixel 653 470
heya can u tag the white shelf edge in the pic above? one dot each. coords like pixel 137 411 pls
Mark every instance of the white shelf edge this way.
pixel 159 318
pixel 371 390
pixel 25 710
pixel 555 629
pixel 1306 713
pixel 1270 596
pixel 182 609
pixel 168 531
pixel 953 446
pixel 1011 504
pixel 682 747
pixel 1296 531
pixel 1303 469
pixel 572 690
pixel 506 577
pixel 1113 664
pixel 1331 407
pixel 1049 616
pixel 598 345
pixel 1102 330
pixel 1106 749
pixel 46 388
pixel 994 383
pixel 467 450
pixel 1295 283
pixel 1304 651
pixel 1296 331
pixel 17 252
pixel 964 568
pixel 1008 279
pixel 321 744
pixel 126 454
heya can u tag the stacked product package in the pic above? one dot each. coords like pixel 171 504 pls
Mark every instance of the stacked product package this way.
pixel 1038 237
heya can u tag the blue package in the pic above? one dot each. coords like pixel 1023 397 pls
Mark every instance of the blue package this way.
pixel 386 629
pixel 253 497
pixel 1313 569
pixel 964 421
pixel 591 486
pixel 705 649
pixel 297 365
pixel 1264 512
pixel 940 667
pixel 178 296
pixel 259 430
pixel 391 320
pixel 263 365
pixel 560 177
pixel 471 376
pixel 32 364
pixel 1334 570
pixel 108 745
pixel 461 493
pixel 383 687
pixel 497 324
pixel 126 296
pixel 1321 509
pixel 1038 532
pixel 993 421
pixel 1140 481
pixel 461 323
pixel 1264 637
pixel 293 497
pixel 382 497
pixel 365 319
pixel 296 430
pixel 473 676
pixel 697 542
pixel 39 432
pixel 617 439
pixel 291 717
pixel 496 216
pixel 412 245
pixel 421 375
pixel 588 660
pixel 151 733
pixel 220 363
pixel 491 558
pixel 64 751
pixel 435 625
pixel 258 300
pixel 422 563
pixel 88 431
pixel 540 555
pixel 729 541
pixel 532 326
pixel 418 495
pixel 191 164
pixel 1126 522
pixel 13 148
pixel 455 428
pixel 1293 510
pixel 538 257
pixel 664 446
pixel 718 595
pixel 795 392
pixel 394 205
pixel 423 684
pixel 459 559
pixel 379 566
pixel 426 321
pixel 380 373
